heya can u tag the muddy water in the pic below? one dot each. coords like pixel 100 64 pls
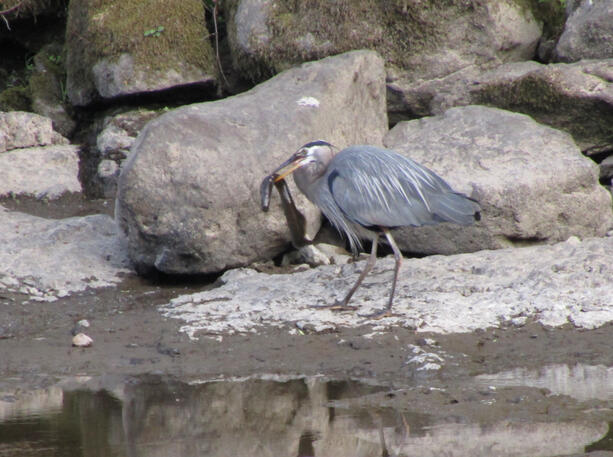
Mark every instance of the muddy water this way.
pixel 311 416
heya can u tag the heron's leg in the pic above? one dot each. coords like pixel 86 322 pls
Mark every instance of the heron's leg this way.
pixel 342 305
pixel 398 257
pixel 387 312
pixel 369 264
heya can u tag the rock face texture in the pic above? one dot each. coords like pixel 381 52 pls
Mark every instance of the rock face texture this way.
pixel 587 33
pixel 43 172
pixel 35 160
pixel 577 98
pixel 113 145
pixel 430 40
pixel 188 196
pixel 46 85
pixel 49 258
pixel 23 130
pixel 531 180
pixel 119 48
pixel 558 284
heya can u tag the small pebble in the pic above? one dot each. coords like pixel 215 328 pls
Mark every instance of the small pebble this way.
pixel 82 340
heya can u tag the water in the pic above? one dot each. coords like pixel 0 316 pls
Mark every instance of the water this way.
pixel 304 416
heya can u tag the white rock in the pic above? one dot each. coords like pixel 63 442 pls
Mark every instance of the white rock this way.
pixel 59 256
pixel 108 169
pixel 555 285
pixel 40 171
pixel 82 340
pixel 19 129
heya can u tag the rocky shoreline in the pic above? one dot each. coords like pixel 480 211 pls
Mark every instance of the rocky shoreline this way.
pixel 129 199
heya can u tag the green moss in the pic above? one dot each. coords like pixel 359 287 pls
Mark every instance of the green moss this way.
pixel 46 80
pixel 397 29
pixel 15 99
pixel 108 29
pixel 541 99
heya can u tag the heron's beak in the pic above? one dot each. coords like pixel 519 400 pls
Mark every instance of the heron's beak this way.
pixel 289 166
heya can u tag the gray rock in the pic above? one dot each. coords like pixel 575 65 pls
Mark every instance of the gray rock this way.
pixel 119 48
pixel 46 88
pixel 250 24
pixel 113 145
pixel 317 254
pixel 120 131
pixel 108 173
pixel 114 140
pixel 422 40
pixel 531 180
pixel 606 168
pixel 41 172
pixel 19 129
pixel 122 76
pixel 564 283
pixel 55 257
pixel 188 197
pixel 577 98
pixel 588 33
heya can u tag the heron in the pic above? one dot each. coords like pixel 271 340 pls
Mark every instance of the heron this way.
pixel 366 191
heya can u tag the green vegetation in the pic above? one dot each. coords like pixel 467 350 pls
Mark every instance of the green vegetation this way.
pixel 156 32
pixel 55 59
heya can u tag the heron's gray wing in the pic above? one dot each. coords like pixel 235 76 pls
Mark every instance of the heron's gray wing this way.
pixel 378 187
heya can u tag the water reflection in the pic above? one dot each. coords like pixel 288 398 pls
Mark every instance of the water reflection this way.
pixel 153 416
pixel 582 382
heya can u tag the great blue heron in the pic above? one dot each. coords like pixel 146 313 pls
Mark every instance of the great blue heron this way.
pixel 366 190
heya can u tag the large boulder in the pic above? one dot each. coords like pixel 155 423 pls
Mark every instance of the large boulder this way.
pixel 123 47
pixel 188 196
pixel 588 33
pixel 577 98
pixel 532 181
pixel 49 258
pixel 420 39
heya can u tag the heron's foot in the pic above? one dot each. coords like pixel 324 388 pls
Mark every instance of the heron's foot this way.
pixel 380 314
pixel 338 305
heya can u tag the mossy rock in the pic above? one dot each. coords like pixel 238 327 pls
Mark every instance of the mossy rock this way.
pixel 419 39
pixel 122 47
pixel 47 87
pixel 15 99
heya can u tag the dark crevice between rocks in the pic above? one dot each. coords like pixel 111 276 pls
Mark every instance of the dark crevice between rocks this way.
pixel 518 241
pixel 155 277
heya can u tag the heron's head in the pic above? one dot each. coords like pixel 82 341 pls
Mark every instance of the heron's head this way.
pixel 309 162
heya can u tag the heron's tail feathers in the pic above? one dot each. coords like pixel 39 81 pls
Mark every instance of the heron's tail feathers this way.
pixel 457 208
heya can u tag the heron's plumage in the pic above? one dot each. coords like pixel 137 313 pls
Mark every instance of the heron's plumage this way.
pixel 375 187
